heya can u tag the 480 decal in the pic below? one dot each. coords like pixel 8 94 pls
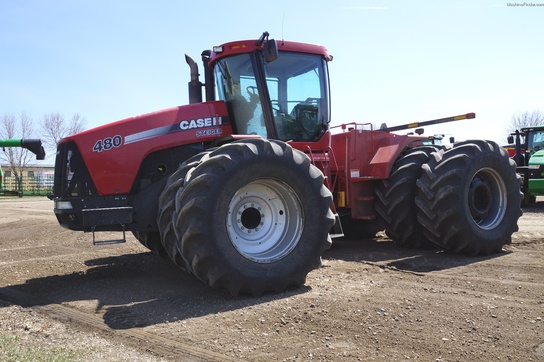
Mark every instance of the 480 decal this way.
pixel 108 143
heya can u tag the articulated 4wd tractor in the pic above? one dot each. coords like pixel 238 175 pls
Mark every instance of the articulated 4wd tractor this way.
pixel 246 189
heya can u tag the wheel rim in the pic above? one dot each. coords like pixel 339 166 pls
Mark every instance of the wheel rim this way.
pixel 487 198
pixel 264 221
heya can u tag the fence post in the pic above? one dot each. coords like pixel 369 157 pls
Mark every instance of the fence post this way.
pixel 19 180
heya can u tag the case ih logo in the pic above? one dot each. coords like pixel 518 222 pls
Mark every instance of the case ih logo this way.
pixel 180 127
pixel 200 123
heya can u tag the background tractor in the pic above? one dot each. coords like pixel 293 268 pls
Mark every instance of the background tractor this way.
pixel 246 189
pixel 526 147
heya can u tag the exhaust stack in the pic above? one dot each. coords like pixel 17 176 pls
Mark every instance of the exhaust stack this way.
pixel 195 86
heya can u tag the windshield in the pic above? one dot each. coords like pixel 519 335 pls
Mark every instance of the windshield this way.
pixel 236 85
pixel 297 86
pixel 536 141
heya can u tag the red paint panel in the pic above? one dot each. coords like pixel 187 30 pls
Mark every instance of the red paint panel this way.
pixel 363 157
pixel 113 152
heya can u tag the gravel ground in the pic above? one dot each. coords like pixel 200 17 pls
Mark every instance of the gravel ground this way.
pixel 61 299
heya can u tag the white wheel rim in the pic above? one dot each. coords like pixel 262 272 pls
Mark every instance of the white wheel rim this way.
pixel 265 220
pixel 487 198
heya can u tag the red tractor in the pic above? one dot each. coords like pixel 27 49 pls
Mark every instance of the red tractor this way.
pixel 246 189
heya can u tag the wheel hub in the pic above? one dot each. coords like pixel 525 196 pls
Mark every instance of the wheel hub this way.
pixel 480 199
pixel 264 221
pixel 250 217
pixel 487 198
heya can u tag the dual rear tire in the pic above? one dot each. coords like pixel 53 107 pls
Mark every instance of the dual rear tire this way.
pixel 469 198
pixel 395 198
pixel 463 199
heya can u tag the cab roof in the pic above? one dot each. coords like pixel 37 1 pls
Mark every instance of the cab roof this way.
pixel 248 46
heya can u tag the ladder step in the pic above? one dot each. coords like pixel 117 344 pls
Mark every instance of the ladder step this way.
pixel 109 242
pixel 336 231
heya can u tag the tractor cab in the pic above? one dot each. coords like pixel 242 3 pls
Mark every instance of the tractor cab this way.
pixel 535 154
pixel 278 90
pixel 535 138
pixel 528 153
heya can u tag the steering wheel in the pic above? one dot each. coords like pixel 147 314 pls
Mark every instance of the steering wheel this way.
pixel 253 94
pixel 252 90
pixel 311 101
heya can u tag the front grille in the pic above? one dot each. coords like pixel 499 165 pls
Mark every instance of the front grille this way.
pixel 72 178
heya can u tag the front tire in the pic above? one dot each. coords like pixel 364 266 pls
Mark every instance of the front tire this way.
pixel 253 217
pixel 469 198
pixel 167 207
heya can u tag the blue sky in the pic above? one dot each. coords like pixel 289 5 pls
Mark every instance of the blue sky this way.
pixel 394 61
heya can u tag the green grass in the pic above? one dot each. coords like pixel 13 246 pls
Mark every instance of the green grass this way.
pixel 11 350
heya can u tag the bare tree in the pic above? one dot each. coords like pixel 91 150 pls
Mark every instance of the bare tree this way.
pixel 55 127
pixel 76 125
pixel 525 119
pixel 10 128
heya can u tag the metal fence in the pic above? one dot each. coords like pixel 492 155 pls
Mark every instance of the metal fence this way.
pixel 27 186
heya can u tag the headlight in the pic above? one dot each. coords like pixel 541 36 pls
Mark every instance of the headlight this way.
pixel 63 205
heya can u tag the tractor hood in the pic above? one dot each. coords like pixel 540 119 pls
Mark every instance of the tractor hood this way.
pixel 113 153
pixel 537 158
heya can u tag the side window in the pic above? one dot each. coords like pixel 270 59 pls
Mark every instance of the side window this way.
pixel 538 141
pixel 304 88
pixel 304 103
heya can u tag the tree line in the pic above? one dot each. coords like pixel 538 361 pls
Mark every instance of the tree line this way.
pixel 51 128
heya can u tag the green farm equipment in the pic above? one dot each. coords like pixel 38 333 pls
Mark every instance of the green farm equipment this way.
pixel 528 152
pixel 33 145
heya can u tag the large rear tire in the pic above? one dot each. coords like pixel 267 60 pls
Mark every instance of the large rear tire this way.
pixel 469 198
pixel 253 217
pixel 395 199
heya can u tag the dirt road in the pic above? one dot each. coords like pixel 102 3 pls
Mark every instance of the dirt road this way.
pixel 372 300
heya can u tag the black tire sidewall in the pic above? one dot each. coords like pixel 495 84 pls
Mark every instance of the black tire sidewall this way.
pixel 490 160
pixel 443 198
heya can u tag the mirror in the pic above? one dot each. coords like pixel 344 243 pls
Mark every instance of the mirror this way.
pixel 270 50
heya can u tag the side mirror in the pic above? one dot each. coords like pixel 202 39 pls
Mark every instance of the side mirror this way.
pixel 510 139
pixel 270 51
pixel 452 140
